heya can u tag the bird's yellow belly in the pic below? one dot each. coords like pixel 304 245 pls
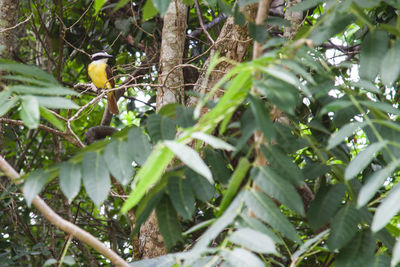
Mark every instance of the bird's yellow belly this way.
pixel 97 72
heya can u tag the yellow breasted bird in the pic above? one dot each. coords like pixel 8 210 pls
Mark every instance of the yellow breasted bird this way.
pixel 101 74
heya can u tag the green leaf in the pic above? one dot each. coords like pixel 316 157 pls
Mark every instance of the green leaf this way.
pixel 282 164
pixel 191 158
pixel 218 165
pixel 184 116
pixel 359 252
pixel 387 209
pixel 239 257
pixel 381 261
pixel 310 242
pixel 246 221
pixel 96 177
pixel 34 184
pixel 139 143
pixel 202 188
pixel 148 175
pixel 279 188
pixel 30 111
pixel 254 241
pixel 160 128
pixel 40 90
pixel 98 4
pixel 56 102
pixel 70 179
pixel 390 69
pixel 181 195
pixel 257 32
pixel 373 50
pixel 45 113
pixel 225 7
pixel 170 227
pixel 121 3
pixel 161 5
pixel 23 69
pixel 7 105
pixel 336 105
pixel 220 224
pixel 212 141
pixel 305 5
pixel 381 106
pixel 68 260
pixel 374 182
pixel 287 77
pixel 362 160
pixel 396 254
pixel 260 113
pixel 234 183
pixel 343 227
pixel 343 133
pixel 324 205
pixel 49 262
pixel 119 158
pixel 265 209
pixel 149 11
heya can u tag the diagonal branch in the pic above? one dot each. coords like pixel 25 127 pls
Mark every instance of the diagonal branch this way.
pixel 64 225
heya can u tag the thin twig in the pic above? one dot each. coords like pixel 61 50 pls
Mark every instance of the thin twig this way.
pixel 17 25
pixel 198 11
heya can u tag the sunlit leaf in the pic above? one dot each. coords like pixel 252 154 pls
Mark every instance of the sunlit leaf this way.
pixel 70 179
pixel 30 113
pixel 253 240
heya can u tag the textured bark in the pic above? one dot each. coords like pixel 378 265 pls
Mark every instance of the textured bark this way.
pixel 232 43
pixel 295 19
pixel 171 77
pixel 8 19
pixel 171 56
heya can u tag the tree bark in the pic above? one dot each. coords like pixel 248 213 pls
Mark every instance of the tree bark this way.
pixel 8 19
pixel 233 43
pixel 171 77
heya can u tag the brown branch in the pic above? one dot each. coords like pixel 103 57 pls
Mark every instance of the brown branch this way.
pixel 66 136
pixel 64 225
pixel 198 11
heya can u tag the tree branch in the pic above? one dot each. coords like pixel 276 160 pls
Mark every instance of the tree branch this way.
pixel 64 225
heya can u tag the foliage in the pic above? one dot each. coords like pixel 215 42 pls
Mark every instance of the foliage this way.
pixel 199 173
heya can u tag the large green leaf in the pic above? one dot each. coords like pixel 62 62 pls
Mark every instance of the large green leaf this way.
pixel 396 254
pixel 359 252
pixel 56 102
pixel 387 209
pixel 239 257
pixel 34 184
pixel 201 187
pixel 36 90
pixel 23 69
pixel 373 50
pixel 118 157
pixel 96 177
pixel 161 5
pixel 170 227
pixel 148 175
pixel 262 118
pixel 390 69
pixel 5 103
pixel 191 158
pixel 70 179
pixel 149 11
pixel 374 182
pixel 139 143
pixel 30 113
pixel 344 132
pixel 213 141
pixel 343 227
pixel 304 5
pixel 218 165
pixel 325 205
pixel 160 128
pixel 181 195
pixel 265 209
pixel 50 117
pixel 247 221
pixel 234 183
pixel 283 164
pixel 279 188
pixel 253 240
pixel 362 160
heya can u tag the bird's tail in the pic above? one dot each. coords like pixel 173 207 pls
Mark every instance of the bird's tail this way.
pixel 112 103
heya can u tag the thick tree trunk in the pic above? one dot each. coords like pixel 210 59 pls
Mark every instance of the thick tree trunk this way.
pixel 171 79
pixel 233 43
pixel 8 19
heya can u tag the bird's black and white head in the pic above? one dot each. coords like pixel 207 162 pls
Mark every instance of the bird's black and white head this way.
pixel 100 57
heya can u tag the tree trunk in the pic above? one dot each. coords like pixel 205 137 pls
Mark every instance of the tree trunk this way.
pixel 171 79
pixel 233 43
pixel 8 19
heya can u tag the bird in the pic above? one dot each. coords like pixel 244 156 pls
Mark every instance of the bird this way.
pixel 102 77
